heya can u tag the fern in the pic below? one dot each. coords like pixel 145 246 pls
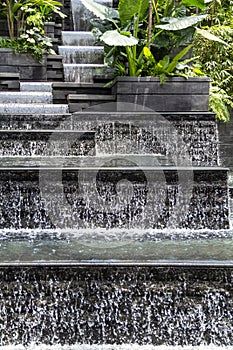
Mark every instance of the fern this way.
pixel 220 103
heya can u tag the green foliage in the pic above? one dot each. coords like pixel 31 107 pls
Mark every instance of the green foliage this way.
pixel 136 46
pixel 129 33
pixel 25 14
pixel 166 66
pixel 216 61
pixel 220 103
pixel 31 43
pixel 128 9
pixel 181 23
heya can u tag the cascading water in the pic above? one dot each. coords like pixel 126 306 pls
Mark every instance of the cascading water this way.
pixel 114 228
pixel 82 17
pixel 82 61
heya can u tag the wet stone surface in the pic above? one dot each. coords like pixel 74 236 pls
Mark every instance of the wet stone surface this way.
pixel 113 198
pixel 108 305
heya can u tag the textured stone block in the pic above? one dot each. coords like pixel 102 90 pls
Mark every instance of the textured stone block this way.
pixel 176 94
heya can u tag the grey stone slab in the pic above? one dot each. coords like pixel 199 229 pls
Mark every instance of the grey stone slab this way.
pixel 175 85
pixel 167 103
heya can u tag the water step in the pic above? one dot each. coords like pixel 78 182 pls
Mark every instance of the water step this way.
pixel 40 87
pixel 78 38
pixel 184 138
pixel 33 108
pixel 47 143
pixel 192 304
pixel 77 102
pixel 35 121
pixel 82 54
pixel 83 73
pixel 26 97
pixel 118 194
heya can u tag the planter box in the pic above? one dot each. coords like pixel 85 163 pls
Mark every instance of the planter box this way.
pixel 176 94
pixel 28 68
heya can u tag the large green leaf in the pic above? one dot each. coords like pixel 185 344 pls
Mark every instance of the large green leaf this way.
pixel 209 36
pixel 181 23
pixel 197 3
pixel 101 11
pixel 129 8
pixel 178 57
pixel 114 38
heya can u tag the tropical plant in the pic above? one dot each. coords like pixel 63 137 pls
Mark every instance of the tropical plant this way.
pixel 25 19
pixel 215 59
pixel 30 42
pixel 25 14
pixel 141 34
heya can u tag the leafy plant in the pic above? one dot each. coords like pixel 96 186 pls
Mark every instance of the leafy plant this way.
pixel 31 42
pixel 25 14
pixel 132 31
pixel 25 20
pixel 166 66
pixel 220 102
pixel 215 59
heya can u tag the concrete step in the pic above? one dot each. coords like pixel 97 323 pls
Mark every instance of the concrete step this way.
pixel 46 143
pixel 36 86
pixel 26 97
pixel 78 38
pixel 26 108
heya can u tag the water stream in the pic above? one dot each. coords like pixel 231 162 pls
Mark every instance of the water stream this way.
pixel 115 231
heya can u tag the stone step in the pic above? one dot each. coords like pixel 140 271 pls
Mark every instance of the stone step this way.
pixel 78 102
pixel 33 108
pixel 82 54
pixel 78 38
pixel 82 73
pixel 115 195
pixel 36 86
pixel 61 90
pixel 88 161
pixel 26 97
pixel 35 121
pixel 9 81
pixel 46 143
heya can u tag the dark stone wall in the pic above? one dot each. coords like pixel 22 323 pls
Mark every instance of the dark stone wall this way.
pixel 116 305
pixel 226 143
